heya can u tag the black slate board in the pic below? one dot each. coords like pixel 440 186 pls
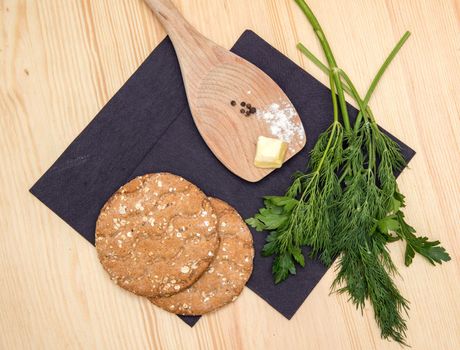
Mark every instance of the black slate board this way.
pixel 147 127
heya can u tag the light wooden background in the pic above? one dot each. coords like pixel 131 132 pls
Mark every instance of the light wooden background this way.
pixel 60 62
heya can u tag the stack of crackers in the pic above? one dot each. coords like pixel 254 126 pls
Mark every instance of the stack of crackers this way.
pixel 161 237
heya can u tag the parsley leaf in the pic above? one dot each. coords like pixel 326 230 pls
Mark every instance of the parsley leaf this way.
pixel 431 250
pixel 283 265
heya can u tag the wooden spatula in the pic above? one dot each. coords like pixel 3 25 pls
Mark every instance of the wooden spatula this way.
pixel 217 83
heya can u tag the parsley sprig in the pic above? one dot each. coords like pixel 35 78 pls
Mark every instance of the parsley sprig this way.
pixel 347 205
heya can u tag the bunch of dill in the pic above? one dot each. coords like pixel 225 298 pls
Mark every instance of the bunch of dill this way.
pixel 347 205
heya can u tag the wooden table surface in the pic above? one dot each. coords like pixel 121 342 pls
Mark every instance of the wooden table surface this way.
pixel 61 61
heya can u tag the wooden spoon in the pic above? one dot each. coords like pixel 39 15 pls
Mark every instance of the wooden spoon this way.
pixel 213 77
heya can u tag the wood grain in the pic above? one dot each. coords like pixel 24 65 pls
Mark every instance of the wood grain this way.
pixel 214 76
pixel 60 61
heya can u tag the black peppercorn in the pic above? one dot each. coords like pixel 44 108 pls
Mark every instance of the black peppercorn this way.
pixel 233 103
pixel 242 111
pixel 248 106
pixel 253 110
pixel 243 104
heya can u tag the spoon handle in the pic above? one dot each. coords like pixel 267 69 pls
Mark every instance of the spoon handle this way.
pixel 192 48
pixel 171 19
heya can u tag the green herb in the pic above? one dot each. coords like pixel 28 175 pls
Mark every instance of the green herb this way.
pixel 347 204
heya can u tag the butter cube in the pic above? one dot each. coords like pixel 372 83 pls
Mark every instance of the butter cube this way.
pixel 270 152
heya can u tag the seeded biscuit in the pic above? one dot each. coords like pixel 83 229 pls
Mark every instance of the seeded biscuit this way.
pixel 156 235
pixel 227 274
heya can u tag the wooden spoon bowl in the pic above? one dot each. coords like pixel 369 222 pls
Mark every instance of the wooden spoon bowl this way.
pixel 213 77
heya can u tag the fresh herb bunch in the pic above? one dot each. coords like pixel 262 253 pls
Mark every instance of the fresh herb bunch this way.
pixel 347 204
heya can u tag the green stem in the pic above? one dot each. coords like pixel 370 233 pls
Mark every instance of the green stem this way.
pixel 330 59
pixel 318 30
pixel 320 65
pixel 353 90
pixel 371 116
pixel 334 99
pixel 379 74
pixel 371 155
pixel 342 102
pixel 385 65
pixel 326 70
pixel 344 175
pixel 374 82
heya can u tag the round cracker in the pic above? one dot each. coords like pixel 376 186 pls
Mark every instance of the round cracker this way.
pixel 156 235
pixel 227 274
